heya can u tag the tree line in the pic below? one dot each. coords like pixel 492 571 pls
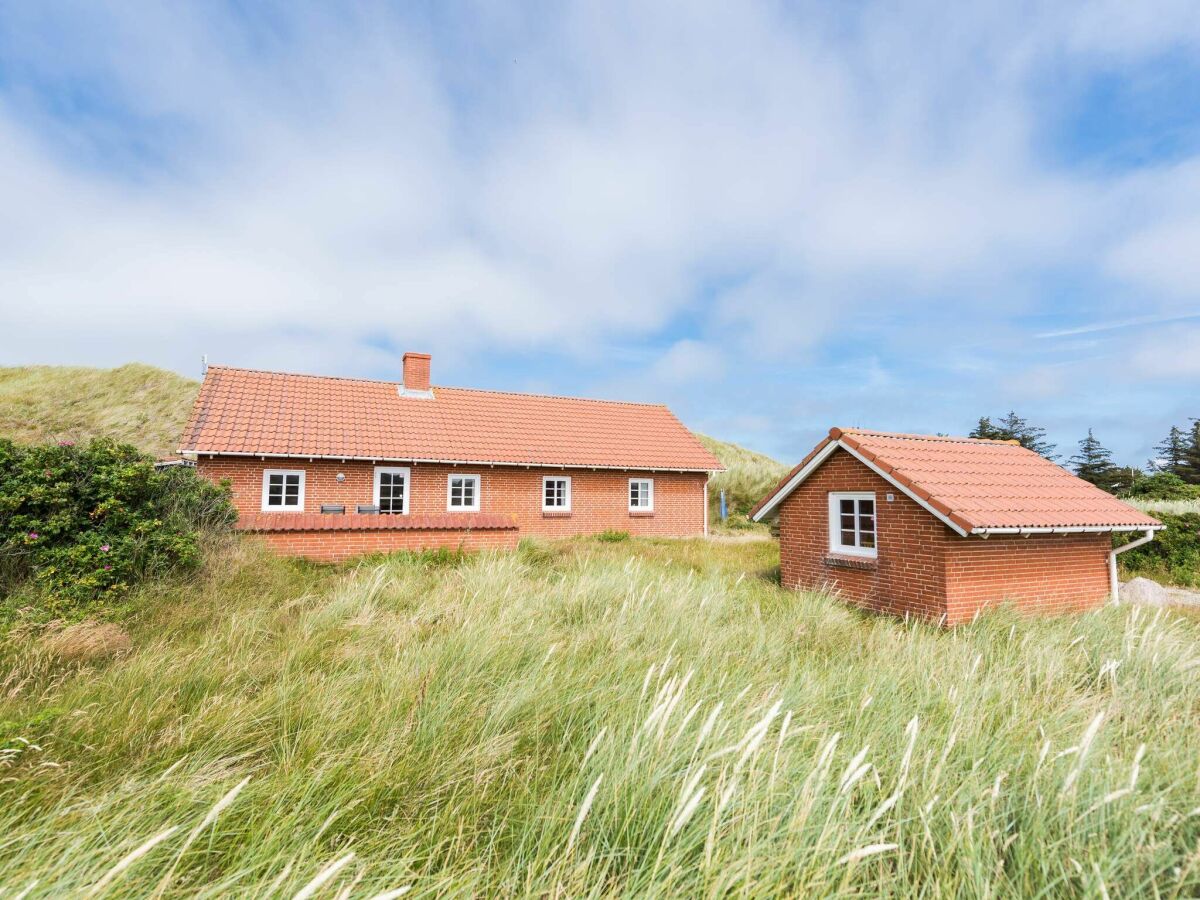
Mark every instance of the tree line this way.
pixel 1175 467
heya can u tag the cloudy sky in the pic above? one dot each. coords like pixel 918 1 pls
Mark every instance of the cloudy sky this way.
pixel 774 217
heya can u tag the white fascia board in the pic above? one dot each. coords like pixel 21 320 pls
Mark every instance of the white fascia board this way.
pixel 817 460
pixel 796 480
pixel 949 523
pixel 442 462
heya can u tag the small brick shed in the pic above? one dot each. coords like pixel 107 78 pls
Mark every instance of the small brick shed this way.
pixel 943 528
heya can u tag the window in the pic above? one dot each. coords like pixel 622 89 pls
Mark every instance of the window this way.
pixel 283 490
pixel 391 490
pixel 852 524
pixel 462 493
pixel 641 494
pixel 556 493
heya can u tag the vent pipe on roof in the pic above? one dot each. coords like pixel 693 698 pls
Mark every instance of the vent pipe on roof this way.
pixel 416 375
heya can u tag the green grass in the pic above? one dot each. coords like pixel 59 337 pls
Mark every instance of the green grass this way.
pixel 134 404
pixel 644 718
pixel 747 479
pixel 1175 507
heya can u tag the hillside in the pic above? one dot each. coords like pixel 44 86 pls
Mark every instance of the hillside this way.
pixel 648 718
pixel 748 475
pixel 148 407
pixel 135 404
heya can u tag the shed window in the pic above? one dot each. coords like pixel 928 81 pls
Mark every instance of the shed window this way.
pixel 462 493
pixel 641 494
pixel 852 524
pixel 283 490
pixel 391 489
pixel 556 493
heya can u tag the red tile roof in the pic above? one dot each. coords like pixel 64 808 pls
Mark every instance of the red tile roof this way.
pixel 244 411
pixel 976 485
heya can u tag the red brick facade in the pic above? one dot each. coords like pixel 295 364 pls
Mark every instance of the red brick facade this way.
pixel 334 546
pixel 599 499
pixel 923 568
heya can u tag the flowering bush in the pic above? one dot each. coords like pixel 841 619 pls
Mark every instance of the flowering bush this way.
pixel 86 522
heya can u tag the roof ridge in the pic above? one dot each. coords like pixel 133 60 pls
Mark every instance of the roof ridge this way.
pixel 944 438
pixel 444 387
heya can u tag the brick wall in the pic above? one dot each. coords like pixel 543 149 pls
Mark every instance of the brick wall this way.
pixel 923 568
pixel 334 546
pixel 1044 573
pixel 909 574
pixel 599 500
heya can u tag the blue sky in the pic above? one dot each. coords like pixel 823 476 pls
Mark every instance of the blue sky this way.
pixel 773 217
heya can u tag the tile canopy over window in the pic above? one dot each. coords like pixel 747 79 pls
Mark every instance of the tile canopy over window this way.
pixel 556 493
pixel 462 493
pixel 391 489
pixel 641 494
pixel 852 524
pixel 283 490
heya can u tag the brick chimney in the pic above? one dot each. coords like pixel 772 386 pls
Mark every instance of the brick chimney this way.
pixel 416 374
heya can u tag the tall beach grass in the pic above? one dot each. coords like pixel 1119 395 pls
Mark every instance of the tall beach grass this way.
pixel 644 718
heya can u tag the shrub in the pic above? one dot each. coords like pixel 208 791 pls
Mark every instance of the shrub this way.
pixel 85 523
pixel 1174 554
pixel 612 536
pixel 1163 486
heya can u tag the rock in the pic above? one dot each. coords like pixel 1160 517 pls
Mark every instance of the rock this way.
pixel 1145 592
pixel 87 641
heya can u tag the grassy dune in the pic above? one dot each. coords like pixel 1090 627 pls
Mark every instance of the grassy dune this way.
pixel 747 478
pixel 651 718
pixel 135 404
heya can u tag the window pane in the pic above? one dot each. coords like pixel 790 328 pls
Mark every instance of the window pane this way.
pixel 848 521
pixel 866 540
pixel 866 523
pixel 847 507
pixel 848 538
pixel 866 507
pixel 293 481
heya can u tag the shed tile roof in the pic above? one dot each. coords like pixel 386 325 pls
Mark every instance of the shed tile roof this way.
pixel 979 484
pixel 246 411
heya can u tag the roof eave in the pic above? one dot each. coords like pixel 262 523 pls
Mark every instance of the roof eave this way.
pixel 349 457
pixel 1064 529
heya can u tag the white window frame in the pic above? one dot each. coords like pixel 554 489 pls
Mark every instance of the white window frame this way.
pixel 393 470
pixel 266 481
pixel 835 524
pixel 649 507
pixel 566 507
pixel 478 490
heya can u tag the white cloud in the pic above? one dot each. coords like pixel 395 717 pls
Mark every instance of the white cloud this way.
pixel 299 189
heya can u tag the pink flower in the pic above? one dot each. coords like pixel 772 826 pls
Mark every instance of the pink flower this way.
pixel 33 535
pixel 106 568
pixel 104 548
pixel 66 443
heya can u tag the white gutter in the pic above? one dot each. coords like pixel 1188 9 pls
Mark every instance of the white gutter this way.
pixel 1113 586
pixel 441 462
pixel 1066 529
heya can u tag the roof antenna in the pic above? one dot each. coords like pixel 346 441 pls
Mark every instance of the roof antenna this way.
pixel 203 365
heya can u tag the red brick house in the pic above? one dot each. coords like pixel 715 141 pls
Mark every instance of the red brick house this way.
pixel 943 528
pixel 334 467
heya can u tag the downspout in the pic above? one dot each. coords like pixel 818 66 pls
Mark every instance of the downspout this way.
pixel 1113 586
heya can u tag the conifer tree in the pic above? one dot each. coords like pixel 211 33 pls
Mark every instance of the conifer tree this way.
pixel 1170 454
pixel 1189 469
pixel 1093 463
pixel 1013 428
